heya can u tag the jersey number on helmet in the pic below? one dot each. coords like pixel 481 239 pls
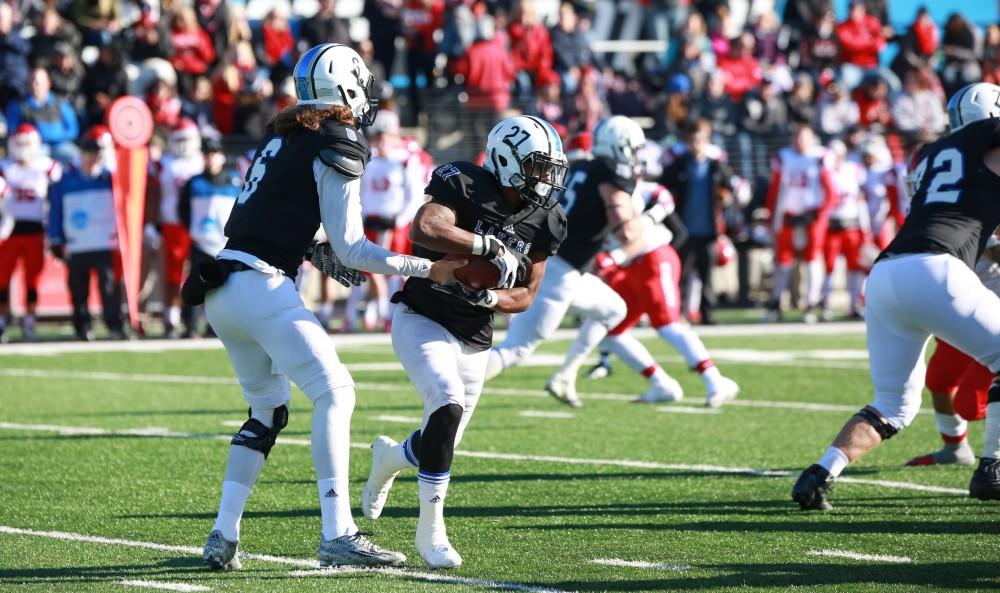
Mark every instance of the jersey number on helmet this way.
pixel 258 168
pixel 569 194
pixel 947 173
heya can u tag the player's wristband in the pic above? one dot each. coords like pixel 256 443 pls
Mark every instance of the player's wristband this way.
pixel 485 245
pixel 491 300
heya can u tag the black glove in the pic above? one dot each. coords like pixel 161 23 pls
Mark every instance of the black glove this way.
pixel 325 260
pixel 483 297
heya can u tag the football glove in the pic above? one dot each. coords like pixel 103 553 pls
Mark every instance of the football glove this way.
pixel 508 262
pixel 325 260
pixel 483 297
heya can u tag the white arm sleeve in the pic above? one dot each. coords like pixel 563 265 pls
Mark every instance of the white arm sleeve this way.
pixel 340 211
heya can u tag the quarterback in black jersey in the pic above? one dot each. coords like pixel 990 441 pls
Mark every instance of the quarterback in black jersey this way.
pixel 442 334
pixel 598 204
pixel 305 173
pixel 923 284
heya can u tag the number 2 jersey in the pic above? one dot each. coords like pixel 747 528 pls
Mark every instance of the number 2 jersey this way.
pixel 955 208
pixel 475 196
pixel 277 213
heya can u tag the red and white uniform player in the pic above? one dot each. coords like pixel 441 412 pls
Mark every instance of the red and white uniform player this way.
pixel 799 199
pixel 27 175
pixel 849 231
pixel 181 161
pixel 392 190
pixel 650 285
pixel 885 191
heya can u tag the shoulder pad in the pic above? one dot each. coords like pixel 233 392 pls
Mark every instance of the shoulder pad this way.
pixel 348 166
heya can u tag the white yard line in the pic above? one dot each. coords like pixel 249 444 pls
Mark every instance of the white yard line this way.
pixel 858 556
pixel 424 576
pixel 713 469
pixel 686 410
pixel 715 331
pixel 394 572
pixel 392 388
pixel 163 586
pixel 640 564
pixel 545 414
pixel 398 419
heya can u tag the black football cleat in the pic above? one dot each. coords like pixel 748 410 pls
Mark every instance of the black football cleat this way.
pixel 811 489
pixel 985 483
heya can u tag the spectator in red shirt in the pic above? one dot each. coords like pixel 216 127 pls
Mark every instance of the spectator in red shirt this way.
pixel 193 51
pixel 421 19
pixel 489 70
pixel 530 43
pixel 740 68
pixel 872 98
pixel 276 37
pixel 861 40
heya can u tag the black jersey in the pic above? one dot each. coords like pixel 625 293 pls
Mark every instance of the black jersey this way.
pixel 955 209
pixel 586 213
pixel 277 213
pixel 474 194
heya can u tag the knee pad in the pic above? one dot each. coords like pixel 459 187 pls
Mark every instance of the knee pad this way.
pixel 884 429
pixel 32 296
pixel 254 435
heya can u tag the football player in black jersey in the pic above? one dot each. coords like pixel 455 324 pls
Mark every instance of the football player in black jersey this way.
pixel 506 211
pixel 305 173
pixel 597 202
pixel 923 284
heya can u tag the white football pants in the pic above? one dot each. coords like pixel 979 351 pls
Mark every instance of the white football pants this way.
pixel 563 289
pixel 271 337
pixel 908 299
pixel 442 368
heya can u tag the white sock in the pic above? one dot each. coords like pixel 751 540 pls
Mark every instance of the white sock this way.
pixel 951 425
pixel 685 341
pixel 331 446
pixel 834 461
pixel 814 282
pixel 351 312
pixel 827 289
pixel 630 350
pixel 781 275
pixel 855 283
pixel 243 467
pixel 335 508
pixel 234 500
pixel 991 439
pixel 590 335
pixel 432 490
pixel 405 454
pixel 174 316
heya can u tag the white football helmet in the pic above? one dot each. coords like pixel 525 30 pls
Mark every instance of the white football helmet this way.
pixel 980 100
pixel 25 143
pixel 619 139
pixel 185 140
pixel 334 74
pixel 525 152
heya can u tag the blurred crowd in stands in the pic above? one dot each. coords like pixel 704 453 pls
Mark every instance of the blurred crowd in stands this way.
pixel 741 71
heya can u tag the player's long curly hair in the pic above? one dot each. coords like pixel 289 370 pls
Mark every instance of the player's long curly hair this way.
pixel 301 117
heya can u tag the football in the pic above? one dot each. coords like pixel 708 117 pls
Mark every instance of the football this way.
pixel 478 273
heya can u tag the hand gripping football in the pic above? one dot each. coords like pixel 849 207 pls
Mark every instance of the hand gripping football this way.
pixel 478 273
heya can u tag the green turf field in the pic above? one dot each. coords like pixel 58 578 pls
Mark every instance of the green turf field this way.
pixel 111 474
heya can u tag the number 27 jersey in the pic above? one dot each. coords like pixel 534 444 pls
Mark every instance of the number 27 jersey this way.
pixel 956 206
